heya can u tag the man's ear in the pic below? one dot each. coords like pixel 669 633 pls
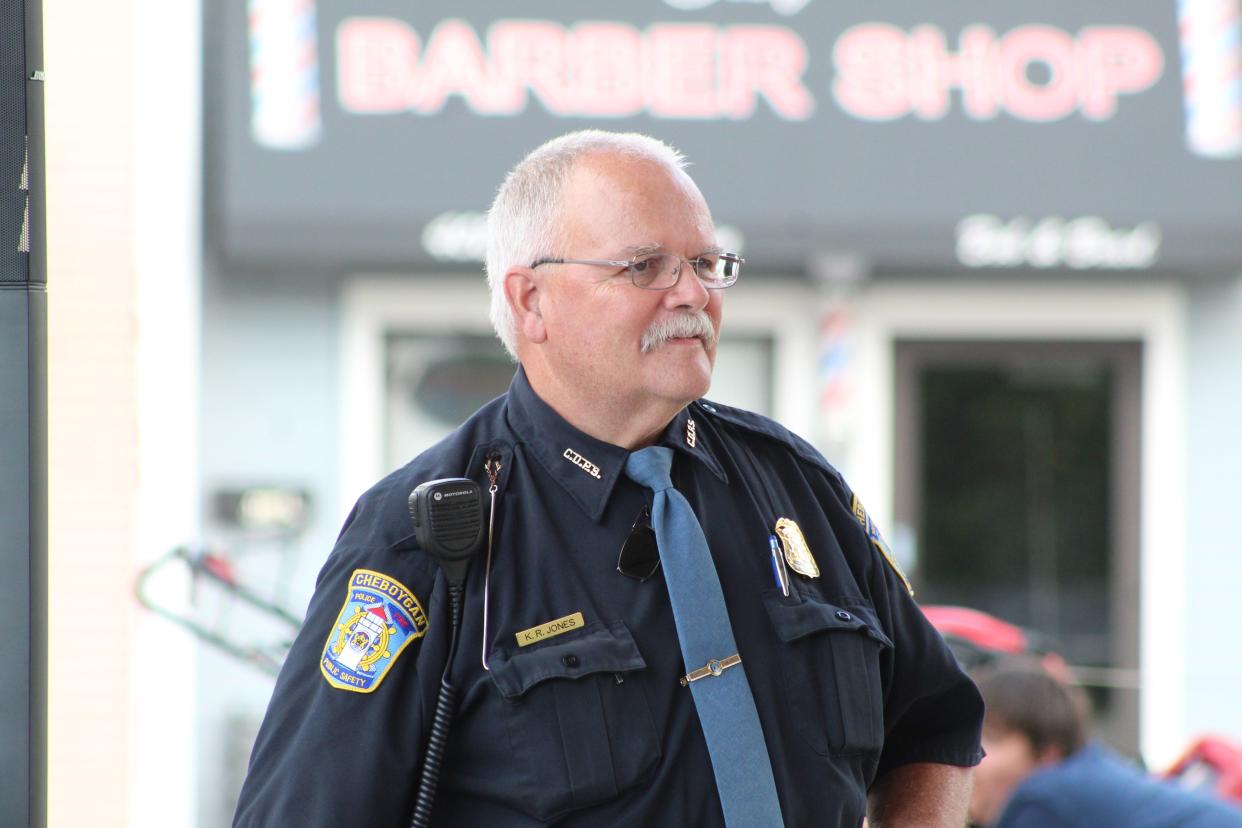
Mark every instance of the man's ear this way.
pixel 1050 755
pixel 523 291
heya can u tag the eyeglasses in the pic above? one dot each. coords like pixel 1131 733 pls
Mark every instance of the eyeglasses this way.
pixel 640 557
pixel 661 271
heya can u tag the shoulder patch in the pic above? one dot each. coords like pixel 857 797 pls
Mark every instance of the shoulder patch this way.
pixel 378 621
pixel 877 540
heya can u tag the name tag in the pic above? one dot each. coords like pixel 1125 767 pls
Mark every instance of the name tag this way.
pixel 551 629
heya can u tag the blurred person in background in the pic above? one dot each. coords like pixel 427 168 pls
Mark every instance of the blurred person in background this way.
pixel 1040 771
pixel 688 617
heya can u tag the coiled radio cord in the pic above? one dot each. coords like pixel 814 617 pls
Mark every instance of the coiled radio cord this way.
pixel 446 706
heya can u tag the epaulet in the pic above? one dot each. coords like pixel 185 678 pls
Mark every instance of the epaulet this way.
pixel 765 427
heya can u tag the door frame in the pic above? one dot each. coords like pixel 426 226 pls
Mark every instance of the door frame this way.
pixel 1148 312
pixel 1124 359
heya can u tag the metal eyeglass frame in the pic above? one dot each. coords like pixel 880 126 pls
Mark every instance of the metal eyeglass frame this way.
pixel 738 261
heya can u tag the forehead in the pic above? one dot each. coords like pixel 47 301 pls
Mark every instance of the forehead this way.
pixel 618 200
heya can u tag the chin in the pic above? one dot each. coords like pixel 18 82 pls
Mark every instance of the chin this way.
pixel 683 386
pixel 678 375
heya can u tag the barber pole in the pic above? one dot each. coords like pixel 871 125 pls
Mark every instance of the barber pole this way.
pixel 835 359
pixel 284 74
pixel 1211 40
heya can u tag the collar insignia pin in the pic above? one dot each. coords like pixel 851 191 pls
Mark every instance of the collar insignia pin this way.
pixel 582 463
pixel 691 437
pixel 797 553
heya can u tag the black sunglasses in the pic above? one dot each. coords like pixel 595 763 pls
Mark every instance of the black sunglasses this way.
pixel 640 557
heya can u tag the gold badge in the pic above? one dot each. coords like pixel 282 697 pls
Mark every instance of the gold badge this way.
pixel 543 632
pixel 877 540
pixel 797 553
pixel 691 437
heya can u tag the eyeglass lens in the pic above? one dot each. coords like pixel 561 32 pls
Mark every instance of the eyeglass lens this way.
pixel 661 270
pixel 640 557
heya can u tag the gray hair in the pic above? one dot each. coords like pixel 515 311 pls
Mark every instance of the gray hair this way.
pixel 522 222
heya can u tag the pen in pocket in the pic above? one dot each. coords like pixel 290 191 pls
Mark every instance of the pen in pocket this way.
pixel 778 566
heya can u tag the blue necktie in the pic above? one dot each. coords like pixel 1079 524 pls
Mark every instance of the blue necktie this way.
pixel 717 679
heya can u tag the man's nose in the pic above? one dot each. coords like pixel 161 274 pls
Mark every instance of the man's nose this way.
pixel 689 291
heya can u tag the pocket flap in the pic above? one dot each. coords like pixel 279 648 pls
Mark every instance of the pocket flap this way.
pixel 598 648
pixel 811 615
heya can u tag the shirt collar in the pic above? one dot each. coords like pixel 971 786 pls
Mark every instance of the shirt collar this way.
pixel 587 468
pixel 687 435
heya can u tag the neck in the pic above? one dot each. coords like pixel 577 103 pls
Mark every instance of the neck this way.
pixel 628 423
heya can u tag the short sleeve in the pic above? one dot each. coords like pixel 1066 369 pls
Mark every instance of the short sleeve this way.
pixel 932 710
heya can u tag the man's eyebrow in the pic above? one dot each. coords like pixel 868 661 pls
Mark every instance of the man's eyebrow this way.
pixel 641 250
pixel 647 249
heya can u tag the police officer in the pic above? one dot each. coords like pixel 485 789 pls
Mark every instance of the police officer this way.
pixel 576 704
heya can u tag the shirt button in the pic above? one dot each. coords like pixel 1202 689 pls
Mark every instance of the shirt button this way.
pixel 842 615
pixel 707 407
pixel 570 660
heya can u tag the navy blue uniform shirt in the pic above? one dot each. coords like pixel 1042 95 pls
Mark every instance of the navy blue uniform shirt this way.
pixel 1096 787
pixel 590 727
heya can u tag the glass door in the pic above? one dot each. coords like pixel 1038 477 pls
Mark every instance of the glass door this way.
pixel 1018 488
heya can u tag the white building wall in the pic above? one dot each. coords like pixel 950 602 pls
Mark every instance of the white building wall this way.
pixel 122 209
pixel 166 237
pixel 92 412
pixel 1213 508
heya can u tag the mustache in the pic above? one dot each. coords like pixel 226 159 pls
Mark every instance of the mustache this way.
pixel 682 326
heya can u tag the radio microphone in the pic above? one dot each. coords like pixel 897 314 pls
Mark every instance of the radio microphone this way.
pixel 448 522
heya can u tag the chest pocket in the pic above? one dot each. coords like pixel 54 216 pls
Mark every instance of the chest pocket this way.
pixel 580 728
pixel 831 664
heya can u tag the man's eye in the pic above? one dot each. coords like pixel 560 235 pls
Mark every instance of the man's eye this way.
pixel 641 265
